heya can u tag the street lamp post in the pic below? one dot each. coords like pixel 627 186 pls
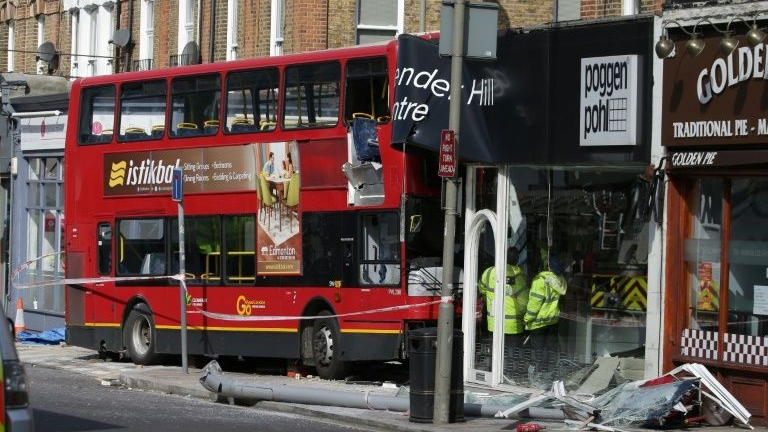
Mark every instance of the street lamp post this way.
pixel 446 309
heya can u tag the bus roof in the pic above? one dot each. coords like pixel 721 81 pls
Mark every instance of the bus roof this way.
pixel 246 63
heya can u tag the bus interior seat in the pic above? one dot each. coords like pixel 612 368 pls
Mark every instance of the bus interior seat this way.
pixel 187 129
pixel 157 131
pixel 103 137
pixel 242 125
pixel 365 139
pixel 134 134
pixel 153 264
pixel 210 127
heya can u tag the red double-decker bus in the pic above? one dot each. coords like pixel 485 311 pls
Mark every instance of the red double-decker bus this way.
pixel 306 235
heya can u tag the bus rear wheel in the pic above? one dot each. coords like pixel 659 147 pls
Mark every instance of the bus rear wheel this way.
pixel 326 348
pixel 139 337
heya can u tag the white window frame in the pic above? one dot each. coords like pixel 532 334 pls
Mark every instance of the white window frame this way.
pixel 568 10
pixel 42 66
pixel 147 38
pixel 186 24
pixel 277 23
pixel 93 30
pixel 232 29
pixel 397 27
pixel 76 51
pixel 11 44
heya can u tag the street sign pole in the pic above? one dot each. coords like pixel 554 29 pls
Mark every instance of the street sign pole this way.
pixel 446 309
pixel 177 194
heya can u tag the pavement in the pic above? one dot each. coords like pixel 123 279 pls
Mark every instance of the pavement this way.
pixel 357 396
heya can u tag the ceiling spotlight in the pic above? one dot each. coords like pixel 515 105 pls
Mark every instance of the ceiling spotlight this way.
pixel 694 46
pixel 664 47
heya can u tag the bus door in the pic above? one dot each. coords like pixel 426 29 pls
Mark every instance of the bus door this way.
pixel 102 308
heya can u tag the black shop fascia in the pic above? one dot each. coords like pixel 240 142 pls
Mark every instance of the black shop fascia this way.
pixel 577 94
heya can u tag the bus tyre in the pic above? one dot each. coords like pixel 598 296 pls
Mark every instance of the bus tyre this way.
pixel 326 348
pixel 139 336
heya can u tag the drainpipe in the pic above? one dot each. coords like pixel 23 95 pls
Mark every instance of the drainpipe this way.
pixel 214 380
pixel 422 16
pixel 212 33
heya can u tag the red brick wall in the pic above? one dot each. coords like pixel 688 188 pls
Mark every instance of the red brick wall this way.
pixel 309 25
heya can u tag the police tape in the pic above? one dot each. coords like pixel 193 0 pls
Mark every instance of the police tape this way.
pixel 233 317
pixel 15 283
pixel 182 282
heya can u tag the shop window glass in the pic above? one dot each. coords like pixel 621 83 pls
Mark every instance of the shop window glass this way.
pixel 702 257
pixel 747 258
pixel 44 231
pixel 585 226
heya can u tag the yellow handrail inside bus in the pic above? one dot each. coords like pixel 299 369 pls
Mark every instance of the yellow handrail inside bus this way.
pixel 186 126
pixel 266 125
pixel 242 121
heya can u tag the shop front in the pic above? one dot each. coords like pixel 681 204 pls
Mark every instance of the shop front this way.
pixel 557 170
pixel 715 130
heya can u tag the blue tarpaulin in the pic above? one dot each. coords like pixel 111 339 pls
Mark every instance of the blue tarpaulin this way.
pixel 49 337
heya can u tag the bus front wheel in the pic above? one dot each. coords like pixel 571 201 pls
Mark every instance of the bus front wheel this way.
pixel 139 337
pixel 326 348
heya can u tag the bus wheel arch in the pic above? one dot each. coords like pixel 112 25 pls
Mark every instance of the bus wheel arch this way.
pixel 139 334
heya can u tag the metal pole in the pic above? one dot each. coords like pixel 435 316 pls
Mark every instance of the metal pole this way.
pixel 446 309
pixel 183 290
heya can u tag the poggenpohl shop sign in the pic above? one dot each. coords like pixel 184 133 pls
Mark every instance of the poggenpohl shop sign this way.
pixel 714 99
pixel 608 107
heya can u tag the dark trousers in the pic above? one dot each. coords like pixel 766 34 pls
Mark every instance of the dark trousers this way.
pixel 515 363
pixel 545 346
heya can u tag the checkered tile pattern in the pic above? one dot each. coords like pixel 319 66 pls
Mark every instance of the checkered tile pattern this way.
pixel 699 343
pixel 745 349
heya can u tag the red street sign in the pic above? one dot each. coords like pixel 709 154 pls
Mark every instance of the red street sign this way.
pixel 447 162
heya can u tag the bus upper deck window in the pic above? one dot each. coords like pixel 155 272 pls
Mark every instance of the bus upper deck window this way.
pixel 142 110
pixel 366 92
pixel 311 95
pixel 251 104
pixel 97 115
pixel 196 106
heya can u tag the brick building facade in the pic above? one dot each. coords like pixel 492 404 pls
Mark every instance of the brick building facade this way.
pixel 307 25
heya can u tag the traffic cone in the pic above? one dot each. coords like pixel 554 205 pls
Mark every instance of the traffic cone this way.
pixel 18 325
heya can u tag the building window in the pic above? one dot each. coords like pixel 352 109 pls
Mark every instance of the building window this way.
pixel 276 28
pixel 93 31
pixel 11 43
pixel 568 10
pixel 42 66
pixel 379 20
pixel 724 214
pixel 147 41
pixel 186 23
pixel 45 222
pixel 232 29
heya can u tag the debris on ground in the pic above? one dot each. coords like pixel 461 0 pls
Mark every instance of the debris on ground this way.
pixel 686 395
